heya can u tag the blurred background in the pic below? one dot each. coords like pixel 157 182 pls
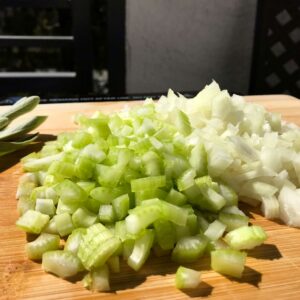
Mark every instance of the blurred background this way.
pixel 93 50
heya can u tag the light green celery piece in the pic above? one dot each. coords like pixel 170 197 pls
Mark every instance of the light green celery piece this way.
pixel 87 186
pixel 32 221
pixel 64 169
pixel 97 245
pixel 187 278
pixel 45 206
pixel 50 227
pixel 25 189
pixel 175 165
pixel 40 164
pixel 151 163
pixel 97 127
pixel 211 200
pixel 93 152
pixel 64 224
pixel 72 193
pixel 121 206
pixel 229 195
pixel 61 263
pixel 141 250
pixel 52 180
pixel 198 159
pixel 202 222
pixel 228 262
pixel 121 231
pixel 83 218
pixel 176 198
pixel 246 237
pixel 173 213
pixel 50 193
pixel 165 234
pixel 84 168
pixel 189 249
pixel 97 280
pixel 141 217
pixel 181 122
pixel 181 232
pixel 149 194
pixel 130 174
pixel 102 194
pixel 127 248
pixel 233 221
pixel 81 139
pixel 147 183
pixel 24 204
pixel 215 230
pixel 114 264
pixel 176 214
pixel 186 180
pixel 106 213
pixel 192 224
pixel 45 242
pixel 216 245
pixel 109 176
pixel 74 240
pixel 69 208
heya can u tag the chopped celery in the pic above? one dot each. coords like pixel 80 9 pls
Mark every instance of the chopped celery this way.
pixel 245 237
pixel 32 221
pixel 233 221
pixel 45 242
pixel 61 263
pixel 148 183
pixel 64 224
pixel 141 217
pixel 228 262
pixel 165 235
pixel 187 278
pixel 45 206
pixel 141 250
pixel 121 206
pixel 165 176
pixel 186 180
pixel 97 245
pixel 215 230
pixel 83 218
pixel 106 213
pixel 189 249
pixel 70 192
pixel 176 198
pixel 98 280
pixel 74 239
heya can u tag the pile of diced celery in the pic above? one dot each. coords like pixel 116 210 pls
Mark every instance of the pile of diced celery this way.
pixel 160 178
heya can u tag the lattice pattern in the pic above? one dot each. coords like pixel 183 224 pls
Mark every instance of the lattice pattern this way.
pixel 277 65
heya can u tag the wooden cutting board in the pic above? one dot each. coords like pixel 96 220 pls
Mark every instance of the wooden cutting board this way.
pixel 273 269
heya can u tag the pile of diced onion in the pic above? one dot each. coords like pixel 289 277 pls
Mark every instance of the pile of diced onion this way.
pixel 163 178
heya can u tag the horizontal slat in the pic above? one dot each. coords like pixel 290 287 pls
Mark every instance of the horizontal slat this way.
pixel 39 85
pixel 35 41
pixel 36 3
pixel 23 75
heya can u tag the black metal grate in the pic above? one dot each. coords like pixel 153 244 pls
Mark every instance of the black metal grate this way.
pixel 276 55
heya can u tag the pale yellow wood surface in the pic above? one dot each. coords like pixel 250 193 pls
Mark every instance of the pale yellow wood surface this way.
pixel 273 270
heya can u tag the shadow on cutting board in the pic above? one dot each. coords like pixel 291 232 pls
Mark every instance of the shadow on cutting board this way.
pixel 265 251
pixel 13 158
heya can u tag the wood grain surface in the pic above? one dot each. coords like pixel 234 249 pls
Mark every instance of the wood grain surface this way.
pixel 272 271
